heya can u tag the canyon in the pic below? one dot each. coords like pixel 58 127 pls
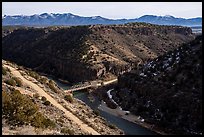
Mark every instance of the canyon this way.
pixel 82 53
pixel 157 69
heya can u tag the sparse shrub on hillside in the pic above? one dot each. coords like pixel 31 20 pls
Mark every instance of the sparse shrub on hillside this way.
pixel 48 123
pixel 11 82
pixel 40 121
pixel 43 80
pixel 112 126
pixel 68 98
pixel 51 81
pixel 4 71
pixel 43 98
pixel 97 112
pixel 34 75
pixel 36 95
pixel 18 81
pixel 37 120
pixel 67 131
pixel 18 109
pixel 52 87
pixel 47 103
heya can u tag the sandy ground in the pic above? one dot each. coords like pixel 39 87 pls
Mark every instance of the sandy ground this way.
pixel 41 92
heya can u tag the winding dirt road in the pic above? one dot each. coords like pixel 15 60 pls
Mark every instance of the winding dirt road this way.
pixel 41 92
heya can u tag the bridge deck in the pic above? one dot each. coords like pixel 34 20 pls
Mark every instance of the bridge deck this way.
pixel 90 84
pixel 77 88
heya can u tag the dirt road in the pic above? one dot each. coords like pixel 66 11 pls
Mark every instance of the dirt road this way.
pixel 41 92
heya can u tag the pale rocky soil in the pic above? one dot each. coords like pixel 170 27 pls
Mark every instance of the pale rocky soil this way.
pixel 76 116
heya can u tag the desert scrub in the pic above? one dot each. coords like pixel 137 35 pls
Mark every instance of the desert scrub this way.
pixel 48 123
pixel 47 103
pixel 4 71
pixel 11 82
pixel 43 98
pixel 43 80
pixel 112 126
pixel 97 112
pixel 68 98
pixel 51 81
pixel 33 74
pixel 67 131
pixel 40 121
pixel 18 109
pixel 36 95
pixel 18 81
pixel 52 87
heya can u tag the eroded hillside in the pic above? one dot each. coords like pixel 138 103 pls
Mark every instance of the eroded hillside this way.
pixel 82 53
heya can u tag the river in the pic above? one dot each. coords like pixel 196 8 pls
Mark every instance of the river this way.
pixel 128 127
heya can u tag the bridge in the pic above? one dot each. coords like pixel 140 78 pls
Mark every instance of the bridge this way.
pixel 89 84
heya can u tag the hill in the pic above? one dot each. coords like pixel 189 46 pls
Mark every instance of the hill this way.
pixel 80 53
pixel 167 91
pixel 34 105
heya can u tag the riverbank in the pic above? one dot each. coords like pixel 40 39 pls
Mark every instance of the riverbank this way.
pixel 130 128
pixel 128 116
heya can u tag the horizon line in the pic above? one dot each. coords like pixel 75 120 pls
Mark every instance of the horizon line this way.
pixel 101 16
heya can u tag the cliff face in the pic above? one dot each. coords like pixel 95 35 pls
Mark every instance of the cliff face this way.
pixel 167 91
pixel 89 52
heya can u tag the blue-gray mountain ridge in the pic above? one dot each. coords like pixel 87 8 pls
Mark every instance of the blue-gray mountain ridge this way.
pixel 69 19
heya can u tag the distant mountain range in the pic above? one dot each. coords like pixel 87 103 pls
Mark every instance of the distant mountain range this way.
pixel 46 19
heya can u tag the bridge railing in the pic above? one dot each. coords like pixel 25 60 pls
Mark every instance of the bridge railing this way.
pixel 78 87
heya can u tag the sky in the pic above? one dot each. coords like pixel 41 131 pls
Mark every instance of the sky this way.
pixel 111 10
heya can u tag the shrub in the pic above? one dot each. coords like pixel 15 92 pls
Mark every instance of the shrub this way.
pixel 37 120
pixel 53 88
pixel 97 112
pixel 51 82
pixel 27 111
pixel 47 103
pixel 18 103
pixel 67 131
pixel 43 98
pixel 121 132
pixel 48 123
pixel 4 71
pixel 18 81
pixel 36 95
pixel 34 74
pixel 11 82
pixel 112 126
pixel 68 98
pixel 43 80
